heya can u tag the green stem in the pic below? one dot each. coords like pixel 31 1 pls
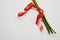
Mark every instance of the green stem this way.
pixel 46 24
pixel 43 19
pixel 49 29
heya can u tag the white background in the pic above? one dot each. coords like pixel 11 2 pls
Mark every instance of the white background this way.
pixel 24 28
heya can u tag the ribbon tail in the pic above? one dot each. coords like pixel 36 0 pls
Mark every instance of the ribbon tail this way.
pixel 21 14
pixel 27 8
pixel 39 16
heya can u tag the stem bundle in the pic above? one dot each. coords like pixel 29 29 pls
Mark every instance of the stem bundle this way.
pixel 48 27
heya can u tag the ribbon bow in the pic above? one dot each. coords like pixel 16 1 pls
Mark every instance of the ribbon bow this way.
pixel 39 16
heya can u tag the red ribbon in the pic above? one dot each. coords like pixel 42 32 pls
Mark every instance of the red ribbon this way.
pixel 39 16
pixel 28 7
